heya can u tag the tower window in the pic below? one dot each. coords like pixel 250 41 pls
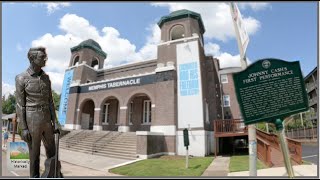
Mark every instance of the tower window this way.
pixel 76 61
pixel 226 101
pixel 177 32
pixel 224 78
pixel 95 63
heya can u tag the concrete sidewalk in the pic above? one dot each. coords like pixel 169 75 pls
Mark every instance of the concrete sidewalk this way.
pixel 218 167
pixel 81 164
pixel 299 170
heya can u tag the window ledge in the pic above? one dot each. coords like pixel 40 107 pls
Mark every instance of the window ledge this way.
pixel 146 124
pixel 105 123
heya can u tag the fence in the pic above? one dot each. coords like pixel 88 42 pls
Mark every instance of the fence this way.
pixel 302 133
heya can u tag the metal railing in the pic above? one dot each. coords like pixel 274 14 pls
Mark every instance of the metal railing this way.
pixel 302 133
pixel 94 145
pixel 229 126
pixel 272 140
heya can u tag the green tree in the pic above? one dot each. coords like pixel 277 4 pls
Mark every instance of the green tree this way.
pixel 9 105
pixel 56 99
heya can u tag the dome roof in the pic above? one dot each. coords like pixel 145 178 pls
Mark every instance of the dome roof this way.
pixel 91 44
pixel 179 14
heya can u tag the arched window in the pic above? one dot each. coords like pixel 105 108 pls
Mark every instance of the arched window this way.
pixel 177 32
pixel 95 63
pixel 76 61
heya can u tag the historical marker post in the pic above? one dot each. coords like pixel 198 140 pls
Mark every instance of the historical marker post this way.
pixel 268 91
pixel 186 144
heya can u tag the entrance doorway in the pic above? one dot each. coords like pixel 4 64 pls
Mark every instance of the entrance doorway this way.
pixel 87 115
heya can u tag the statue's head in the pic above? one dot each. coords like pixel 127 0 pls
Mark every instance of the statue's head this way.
pixel 37 56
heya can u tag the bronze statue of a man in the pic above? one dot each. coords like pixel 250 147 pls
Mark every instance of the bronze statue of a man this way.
pixel 35 109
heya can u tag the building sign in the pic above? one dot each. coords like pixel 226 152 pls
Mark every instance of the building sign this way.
pixel 189 86
pixel 18 156
pixel 137 81
pixel 109 85
pixel 68 76
pixel 189 79
pixel 270 89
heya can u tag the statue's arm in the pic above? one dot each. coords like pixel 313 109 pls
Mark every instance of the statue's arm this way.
pixel 21 102
pixel 51 105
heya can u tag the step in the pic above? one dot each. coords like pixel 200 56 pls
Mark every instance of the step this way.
pixel 120 143
pixel 80 148
pixel 115 156
pixel 121 156
pixel 116 149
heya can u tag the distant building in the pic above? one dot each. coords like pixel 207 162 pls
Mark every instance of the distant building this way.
pixel 7 121
pixel 230 105
pixel 311 82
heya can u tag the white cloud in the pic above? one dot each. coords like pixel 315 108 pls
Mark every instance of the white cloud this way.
pixel 56 81
pixel 254 6
pixel 225 59
pixel 7 89
pixel 217 18
pixel 51 7
pixel 77 29
pixel 19 47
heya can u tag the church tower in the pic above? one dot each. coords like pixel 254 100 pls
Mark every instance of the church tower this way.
pixel 89 54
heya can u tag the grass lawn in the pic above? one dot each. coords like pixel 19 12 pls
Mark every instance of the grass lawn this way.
pixel 241 163
pixel 165 166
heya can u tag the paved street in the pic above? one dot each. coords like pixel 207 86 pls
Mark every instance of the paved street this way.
pixel 310 153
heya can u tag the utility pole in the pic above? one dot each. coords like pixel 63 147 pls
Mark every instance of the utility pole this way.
pixel 243 40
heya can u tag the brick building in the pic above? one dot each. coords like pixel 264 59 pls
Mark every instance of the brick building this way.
pixel 311 82
pixel 156 98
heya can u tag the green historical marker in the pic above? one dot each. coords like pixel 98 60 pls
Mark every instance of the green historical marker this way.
pixel 270 89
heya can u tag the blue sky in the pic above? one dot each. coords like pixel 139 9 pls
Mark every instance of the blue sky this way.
pixel 285 30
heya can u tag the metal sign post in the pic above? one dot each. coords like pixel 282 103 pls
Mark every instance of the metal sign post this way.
pixel 284 147
pixel 252 150
pixel 186 144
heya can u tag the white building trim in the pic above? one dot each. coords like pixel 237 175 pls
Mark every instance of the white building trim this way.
pixel 195 36
pixel 97 109
pixel 123 129
pixel 201 143
pixel 97 128
pixel 72 126
pixel 145 133
pixel 169 130
pixel 123 107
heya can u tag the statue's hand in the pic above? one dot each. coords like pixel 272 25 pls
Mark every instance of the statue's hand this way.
pixel 26 136
pixel 56 128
